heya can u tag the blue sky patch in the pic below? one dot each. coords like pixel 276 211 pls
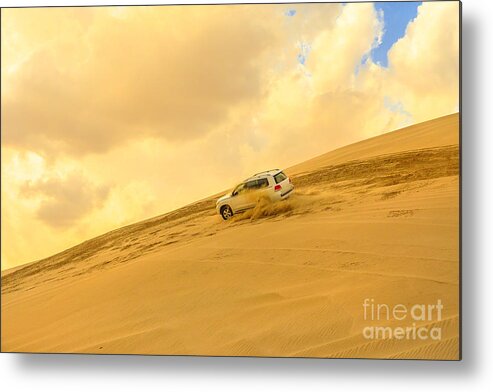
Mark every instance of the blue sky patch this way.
pixel 396 17
pixel 304 52
pixel 290 12
pixel 397 107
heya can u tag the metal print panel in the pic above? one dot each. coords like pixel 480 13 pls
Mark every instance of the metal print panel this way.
pixel 272 180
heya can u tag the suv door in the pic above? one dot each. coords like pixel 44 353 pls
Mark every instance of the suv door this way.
pixel 239 198
pixel 251 194
pixel 247 195
pixel 257 190
pixel 262 188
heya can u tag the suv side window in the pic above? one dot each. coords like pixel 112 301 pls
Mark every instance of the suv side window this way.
pixel 263 183
pixel 251 185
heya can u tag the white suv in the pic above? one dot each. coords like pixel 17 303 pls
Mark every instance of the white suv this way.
pixel 270 185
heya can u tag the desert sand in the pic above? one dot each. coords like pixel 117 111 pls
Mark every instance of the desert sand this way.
pixel 377 220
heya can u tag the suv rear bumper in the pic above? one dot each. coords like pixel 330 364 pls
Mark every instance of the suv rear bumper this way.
pixel 287 192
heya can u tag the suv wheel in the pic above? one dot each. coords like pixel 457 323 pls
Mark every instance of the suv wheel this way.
pixel 226 212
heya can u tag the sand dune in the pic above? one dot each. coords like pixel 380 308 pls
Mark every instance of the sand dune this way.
pixel 443 131
pixel 378 219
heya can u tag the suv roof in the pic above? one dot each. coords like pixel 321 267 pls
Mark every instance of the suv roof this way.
pixel 263 174
pixel 271 172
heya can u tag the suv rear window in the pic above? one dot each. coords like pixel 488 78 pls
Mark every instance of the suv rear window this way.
pixel 280 177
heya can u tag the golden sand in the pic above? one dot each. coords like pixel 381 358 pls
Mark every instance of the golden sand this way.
pixel 377 220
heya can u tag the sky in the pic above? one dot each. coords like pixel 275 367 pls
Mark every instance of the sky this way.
pixel 396 17
pixel 111 115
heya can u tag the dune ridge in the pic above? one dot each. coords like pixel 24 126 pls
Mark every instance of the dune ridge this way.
pixel 376 219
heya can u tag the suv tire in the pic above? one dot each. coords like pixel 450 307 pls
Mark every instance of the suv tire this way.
pixel 226 212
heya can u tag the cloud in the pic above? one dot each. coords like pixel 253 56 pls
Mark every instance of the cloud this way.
pixel 171 72
pixel 337 51
pixel 425 63
pixel 422 77
pixel 64 201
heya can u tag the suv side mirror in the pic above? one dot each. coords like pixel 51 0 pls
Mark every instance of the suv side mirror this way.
pixel 234 193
